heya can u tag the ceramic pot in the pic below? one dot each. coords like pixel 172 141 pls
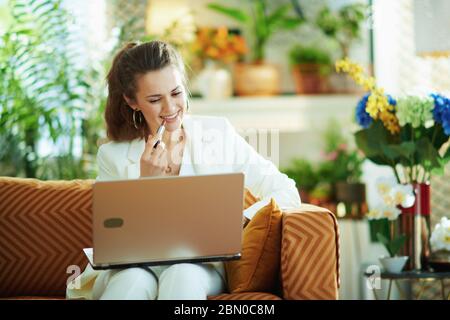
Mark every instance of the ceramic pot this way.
pixel 309 80
pixel 394 264
pixel 257 79
pixel 215 82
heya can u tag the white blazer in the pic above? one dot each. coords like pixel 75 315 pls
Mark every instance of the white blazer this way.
pixel 212 146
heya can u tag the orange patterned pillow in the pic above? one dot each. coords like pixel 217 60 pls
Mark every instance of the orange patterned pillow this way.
pixel 44 225
pixel 258 268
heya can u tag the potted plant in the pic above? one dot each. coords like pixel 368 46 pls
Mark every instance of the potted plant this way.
pixel 392 196
pixel 310 67
pixel 304 175
pixel 410 135
pixel 343 26
pixel 217 48
pixel 341 168
pixel 258 77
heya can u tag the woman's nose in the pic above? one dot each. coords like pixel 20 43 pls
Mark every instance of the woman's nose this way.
pixel 169 106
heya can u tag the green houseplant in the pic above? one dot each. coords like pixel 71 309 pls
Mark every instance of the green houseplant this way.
pixel 341 168
pixel 310 68
pixel 343 27
pixel 262 21
pixel 304 175
pixel 336 175
pixel 41 92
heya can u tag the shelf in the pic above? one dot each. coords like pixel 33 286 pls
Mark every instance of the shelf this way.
pixel 284 113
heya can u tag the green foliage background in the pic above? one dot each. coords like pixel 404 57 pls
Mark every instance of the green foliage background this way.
pixel 46 94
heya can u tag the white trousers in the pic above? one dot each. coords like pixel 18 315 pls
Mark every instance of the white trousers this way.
pixel 184 281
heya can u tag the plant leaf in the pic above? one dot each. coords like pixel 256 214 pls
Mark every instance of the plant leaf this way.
pixel 371 141
pixel 427 154
pixel 396 244
pixel 234 13
pixel 385 242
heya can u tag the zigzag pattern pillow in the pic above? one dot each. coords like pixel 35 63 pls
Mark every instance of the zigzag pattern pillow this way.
pixel 44 225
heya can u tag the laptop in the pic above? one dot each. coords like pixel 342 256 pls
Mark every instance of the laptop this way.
pixel 166 220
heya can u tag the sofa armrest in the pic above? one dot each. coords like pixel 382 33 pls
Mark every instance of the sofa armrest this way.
pixel 309 254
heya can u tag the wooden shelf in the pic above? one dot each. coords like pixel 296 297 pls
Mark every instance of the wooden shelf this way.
pixel 284 113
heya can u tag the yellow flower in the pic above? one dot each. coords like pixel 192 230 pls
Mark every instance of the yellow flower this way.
pixel 378 106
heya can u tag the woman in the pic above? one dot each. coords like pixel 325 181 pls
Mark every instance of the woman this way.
pixel 146 88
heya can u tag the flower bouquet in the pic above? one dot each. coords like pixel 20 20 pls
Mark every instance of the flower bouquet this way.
pixel 410 135
pixel 407 134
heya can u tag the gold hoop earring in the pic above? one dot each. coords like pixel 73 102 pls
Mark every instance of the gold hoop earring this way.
pixel 134 118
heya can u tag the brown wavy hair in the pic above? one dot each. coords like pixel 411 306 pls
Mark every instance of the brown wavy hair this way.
pixel 130 62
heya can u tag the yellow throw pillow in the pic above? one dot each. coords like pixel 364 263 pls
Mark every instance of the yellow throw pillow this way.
pixel 258 268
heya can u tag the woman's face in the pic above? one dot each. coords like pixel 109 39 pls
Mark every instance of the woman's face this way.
pixel 160 96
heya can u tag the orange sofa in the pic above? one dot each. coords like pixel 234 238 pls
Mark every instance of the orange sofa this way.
pixel 44 225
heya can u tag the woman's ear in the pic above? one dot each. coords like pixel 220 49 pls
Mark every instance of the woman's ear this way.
pixel 131 103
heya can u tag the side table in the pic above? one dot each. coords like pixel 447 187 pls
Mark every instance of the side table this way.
pixel 422 277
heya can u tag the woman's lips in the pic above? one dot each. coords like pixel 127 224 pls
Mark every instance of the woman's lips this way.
pixel 171 118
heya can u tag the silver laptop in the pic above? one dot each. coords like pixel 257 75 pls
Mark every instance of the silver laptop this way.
pixel 166 220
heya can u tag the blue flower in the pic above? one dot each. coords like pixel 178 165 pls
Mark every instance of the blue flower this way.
pixel 362 117
pixel 441 111
pixel 391 100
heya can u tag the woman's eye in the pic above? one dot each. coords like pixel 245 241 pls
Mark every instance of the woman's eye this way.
pixel 173 95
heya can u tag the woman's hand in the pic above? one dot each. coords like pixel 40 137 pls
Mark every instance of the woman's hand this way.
pixel 153 161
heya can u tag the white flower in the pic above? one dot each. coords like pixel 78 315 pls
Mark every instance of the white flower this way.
pixel 390 212
pixel 391 195
pixel 385 185
pixel 403 195
pixel 382 211
pixel 440 237
pixel 374 214
pixel 388 200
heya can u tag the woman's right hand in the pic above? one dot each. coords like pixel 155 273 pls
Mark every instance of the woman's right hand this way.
pixel 153 161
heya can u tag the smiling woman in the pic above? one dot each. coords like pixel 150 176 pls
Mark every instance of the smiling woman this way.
pixel 146 81
pixel 146 93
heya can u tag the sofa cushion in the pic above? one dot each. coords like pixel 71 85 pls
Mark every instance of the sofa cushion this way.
pixel 258 268
pixel 44 225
